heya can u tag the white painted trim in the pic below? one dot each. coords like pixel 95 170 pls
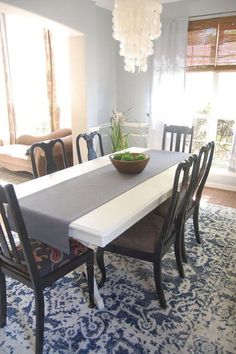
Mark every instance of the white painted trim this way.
pixel 101 126
pixel 224 172
pixel 126 124
pixel 137 124
pixel 135 134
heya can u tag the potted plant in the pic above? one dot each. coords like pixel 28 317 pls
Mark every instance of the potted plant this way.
pixel 119 138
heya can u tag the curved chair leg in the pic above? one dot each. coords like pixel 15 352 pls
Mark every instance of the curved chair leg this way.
pixel 196 225
pixel 183 249
pixel 90 275
pixel 158 282
pixel 3 300
pixel 178 256
pixel 101 265
pixel 39 302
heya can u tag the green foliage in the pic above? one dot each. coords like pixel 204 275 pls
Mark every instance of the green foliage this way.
pixel 117 157
pixel 200 129
pixel 128 156
pixel 224 130
pixel 223 138
pixel 206 110
pixel 140 157
pixel 119 139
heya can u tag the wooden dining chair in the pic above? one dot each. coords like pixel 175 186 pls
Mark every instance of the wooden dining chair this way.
pixel 177 138
pixel 205 158
pixel 198 180
pixel 31 262
pixel 152 237
pixel 51 150
pixel 89 139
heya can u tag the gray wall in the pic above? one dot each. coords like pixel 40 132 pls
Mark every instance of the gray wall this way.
pixel 95 23
pixel 133 91
pixel 106 66
pixel 198 7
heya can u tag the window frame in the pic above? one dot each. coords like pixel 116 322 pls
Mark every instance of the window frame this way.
pixel 216 23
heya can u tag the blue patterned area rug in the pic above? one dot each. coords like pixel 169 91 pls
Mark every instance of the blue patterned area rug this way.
pixel 201 313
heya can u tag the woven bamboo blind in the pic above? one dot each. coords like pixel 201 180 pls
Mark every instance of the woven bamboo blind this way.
pixel 212 44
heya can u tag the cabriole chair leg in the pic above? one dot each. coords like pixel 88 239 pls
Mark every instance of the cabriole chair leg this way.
pixel 183 248
pixel 101 265
pixel 196 224
pixel 178 257
pixel 158 283
pixel 3 300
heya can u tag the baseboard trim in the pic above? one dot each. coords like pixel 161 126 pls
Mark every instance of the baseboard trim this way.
pixel 221 186
pixel 126 124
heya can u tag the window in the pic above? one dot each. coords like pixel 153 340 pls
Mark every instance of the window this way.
pixel 28 70
pixel 210 84
pixel 211 97
pixel 212 44
pixel 27 62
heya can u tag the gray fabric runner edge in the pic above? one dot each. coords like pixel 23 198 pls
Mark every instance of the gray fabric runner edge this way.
pixel 48 213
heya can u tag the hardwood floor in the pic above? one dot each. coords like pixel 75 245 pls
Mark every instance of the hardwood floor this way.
pixel 220 196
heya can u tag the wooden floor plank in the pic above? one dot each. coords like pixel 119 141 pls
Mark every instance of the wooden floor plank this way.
pixel 220 196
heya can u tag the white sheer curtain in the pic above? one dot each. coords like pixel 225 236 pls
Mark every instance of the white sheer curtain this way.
pixel 167 98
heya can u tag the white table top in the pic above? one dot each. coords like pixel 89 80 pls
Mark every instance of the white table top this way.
pixel 105 223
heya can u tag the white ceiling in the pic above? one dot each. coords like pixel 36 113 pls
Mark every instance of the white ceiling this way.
pixel 109 4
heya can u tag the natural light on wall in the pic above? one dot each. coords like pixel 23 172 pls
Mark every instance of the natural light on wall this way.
pixel 4 137
pixel 62 64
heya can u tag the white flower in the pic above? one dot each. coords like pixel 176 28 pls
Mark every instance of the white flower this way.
pixel 118 118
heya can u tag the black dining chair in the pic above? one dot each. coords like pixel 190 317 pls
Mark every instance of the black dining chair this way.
pixel 51 150
pixel 205 158
pixel 203 165
pixel 177 138
pixel 31 262
pixel 89 139
pixel 152 237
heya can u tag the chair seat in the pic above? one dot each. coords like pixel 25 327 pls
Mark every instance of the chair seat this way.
pixel 134 238
pixel 49 259
pixel 162 209
pixel 34 263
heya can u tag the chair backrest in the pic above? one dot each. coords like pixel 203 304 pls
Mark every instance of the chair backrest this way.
pixel 177 138
pixel 89 138
pixel 204 163
pixel 11 243
pixel 182 187
pixel 48 149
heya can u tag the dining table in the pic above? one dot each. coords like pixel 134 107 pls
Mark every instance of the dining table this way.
pixel 106 220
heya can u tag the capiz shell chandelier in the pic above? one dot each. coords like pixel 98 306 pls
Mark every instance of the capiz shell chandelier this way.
pixel 136 23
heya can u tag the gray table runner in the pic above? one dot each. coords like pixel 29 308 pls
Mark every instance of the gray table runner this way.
pixel 49 212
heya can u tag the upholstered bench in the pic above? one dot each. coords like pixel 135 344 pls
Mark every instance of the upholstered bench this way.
pixel 15 157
